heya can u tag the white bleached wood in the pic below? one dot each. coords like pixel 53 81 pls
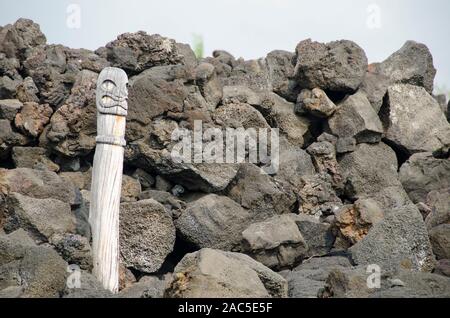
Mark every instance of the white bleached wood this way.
pixel 111 96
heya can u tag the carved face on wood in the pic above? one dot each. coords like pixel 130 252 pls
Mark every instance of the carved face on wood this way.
pixel 112 92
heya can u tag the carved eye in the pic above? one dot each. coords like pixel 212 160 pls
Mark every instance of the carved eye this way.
pixel 108 85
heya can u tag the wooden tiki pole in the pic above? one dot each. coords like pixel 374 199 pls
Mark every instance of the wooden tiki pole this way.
pixel 111 98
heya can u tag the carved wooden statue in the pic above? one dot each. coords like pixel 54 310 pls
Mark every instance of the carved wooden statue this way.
pixel 111 96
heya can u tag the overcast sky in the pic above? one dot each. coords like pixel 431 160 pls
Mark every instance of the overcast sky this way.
pixel 248 28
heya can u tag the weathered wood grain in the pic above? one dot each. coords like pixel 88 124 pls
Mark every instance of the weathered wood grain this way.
pixel 111 97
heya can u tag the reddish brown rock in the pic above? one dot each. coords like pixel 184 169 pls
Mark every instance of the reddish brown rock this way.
pixel 33 117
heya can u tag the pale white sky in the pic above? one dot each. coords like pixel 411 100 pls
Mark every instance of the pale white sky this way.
pixel 248 28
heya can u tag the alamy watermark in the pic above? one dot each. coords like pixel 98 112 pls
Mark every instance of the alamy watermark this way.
pixel 73 20
pixel 74 278
pixel 374 279
pixel 374 16
pixel 231 145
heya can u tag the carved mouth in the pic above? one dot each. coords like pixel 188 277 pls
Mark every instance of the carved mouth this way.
pixel 109 101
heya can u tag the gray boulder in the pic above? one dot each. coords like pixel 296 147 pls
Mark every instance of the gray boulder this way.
pixel 440 241
pixel 280 66
pixel 74 249
pixel 9 138
pixel 150 96
pixel 33 215
pixel 79 179
pixel 416 285
pixel 356 118
pixel 69 164
pixel 55 68
pixel 344 145
pixel 317 196
pixel 207 177
pixel 27 91
pixel 145 179
pixel 9 108
pixel 131 188
pixel 375 86
pixel 274 283
pixel 352 283
pixel 135 52
pixel 252 73
pixel 294 163
pixel 89 287
pixel 303 284
pixel 337 66
pixel 147 287
pixel 275 242
pixel 30 271
pixel 208 83
pixel 212 273
pixel 155 154
pixel 170 202
pixel 239 115
pixel 412 64
pixel 223 62
pixel 16 38
pixel 442 267
pixel 21 237
pixel 187 55
pixel 34 158
pixel 8 87
pixel 439 203
pixel 324 262
pixel 258 192
pixel 39 184
pixel 413 120
pixel 307 279
pixel 9 67
pixel 281 114
pixel 400 240
pixel 82 59
pixel 126 277
pixel 72 128
pixel 46 65
pixel 147 235
pixel 442 101
pixel 323 154
pixel 241 94
pixel 423 173
pixel 371 172
pixel 213 221
pixel 318 235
